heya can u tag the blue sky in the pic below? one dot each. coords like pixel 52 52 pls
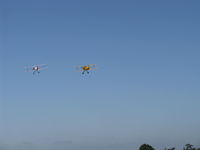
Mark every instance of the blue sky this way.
pixel 146 88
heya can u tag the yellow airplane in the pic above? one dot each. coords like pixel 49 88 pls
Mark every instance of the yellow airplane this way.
pixel 86 68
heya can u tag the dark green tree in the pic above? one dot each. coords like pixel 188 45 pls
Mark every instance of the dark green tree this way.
pixel 188 147
pixel 173 148
pixel 146 147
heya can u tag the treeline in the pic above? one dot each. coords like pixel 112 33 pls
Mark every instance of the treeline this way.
pixel 186 147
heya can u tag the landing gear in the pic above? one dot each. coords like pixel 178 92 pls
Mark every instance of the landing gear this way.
pixel 85 71
pixel 35 72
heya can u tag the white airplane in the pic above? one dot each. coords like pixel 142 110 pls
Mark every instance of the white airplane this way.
pixel 36 68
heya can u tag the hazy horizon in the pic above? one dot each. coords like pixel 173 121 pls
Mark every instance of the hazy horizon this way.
pixel 146 88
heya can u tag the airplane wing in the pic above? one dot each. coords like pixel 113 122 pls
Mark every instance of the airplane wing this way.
pixel 79 68
pixel 92 65
pixel 43 68
pixel 28 69
pixel 93 68
pixel 42 65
